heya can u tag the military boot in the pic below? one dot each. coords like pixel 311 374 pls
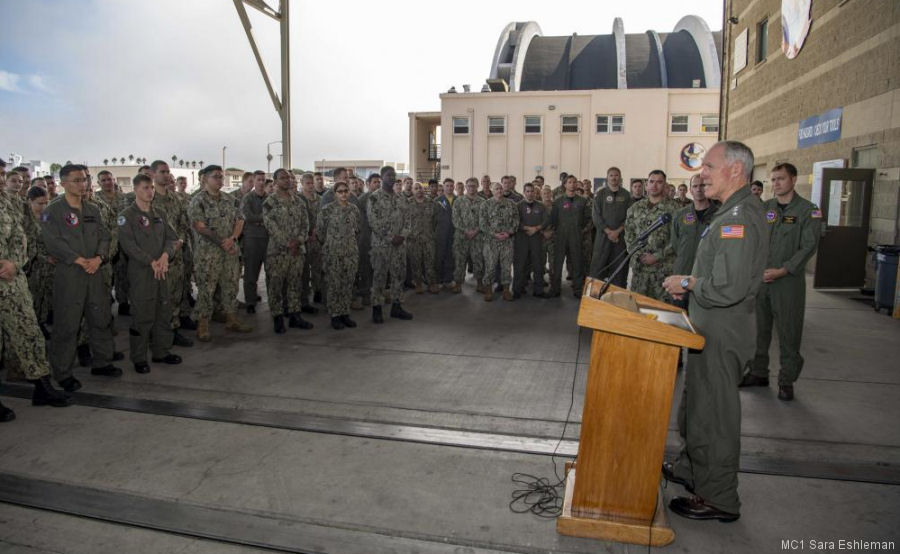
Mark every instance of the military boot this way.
pixel 398 312
pixel 45 395
pixel 297 322
pixel 279 325
pixel 455 288
pixel 203 330
pixel 377 316
pixel 419 288
pixel 507 295
pixel 85 358
pixel 488 294
pixel 232 323
pixel 6 414
pixel 433 288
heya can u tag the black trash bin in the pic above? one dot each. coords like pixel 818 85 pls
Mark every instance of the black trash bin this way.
pixel 886 256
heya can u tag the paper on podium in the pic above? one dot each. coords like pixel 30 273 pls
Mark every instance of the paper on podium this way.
pixel 670 318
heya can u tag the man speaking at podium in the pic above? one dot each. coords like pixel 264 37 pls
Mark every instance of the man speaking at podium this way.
pixel 723 285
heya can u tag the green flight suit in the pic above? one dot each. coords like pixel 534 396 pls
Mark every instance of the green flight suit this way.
pixel 687 225
pixel 143 237
pixel 528 250
pixel 728 272
pixel 795 230
pixel 568 219
pixel 254 244
pixel 610 208
pixel 70 233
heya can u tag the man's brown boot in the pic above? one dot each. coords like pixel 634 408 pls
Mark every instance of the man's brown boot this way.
pixel 203 330
pixel 232 323
pixel 419 288
pixel 434 289
pixel 507 295
pixel 488 295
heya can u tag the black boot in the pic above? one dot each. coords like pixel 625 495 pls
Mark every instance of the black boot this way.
pixel 187 323
pixel 317 298
pixel 279 325
pixel 45 395
pixel 398 312
pixel 307 309
pixel 297 322
pixel 6 414
pixel 180 340
pixel 84 355
pixel 377 317
pixel 124 308
pixel 336 323
pixel 345 319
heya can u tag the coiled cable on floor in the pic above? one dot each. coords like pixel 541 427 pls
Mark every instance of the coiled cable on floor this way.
pixel 538 495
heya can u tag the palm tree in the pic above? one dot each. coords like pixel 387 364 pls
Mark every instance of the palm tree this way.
pixel 174 159
pixel 122 160
pixel 201 163
pixel 105 161
pixel 194 164
pixel 180 163
pixel 130 157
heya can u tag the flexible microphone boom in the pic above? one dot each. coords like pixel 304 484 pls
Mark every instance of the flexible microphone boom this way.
pixel 664 219
pixel 639 243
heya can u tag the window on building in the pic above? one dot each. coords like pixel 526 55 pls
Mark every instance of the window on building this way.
pixel 496 125
pixel 460 125
pixel 570 123
pixel 679 124
pixel 762 39
pixel 532 124
pixel 709 124
pixel 610 123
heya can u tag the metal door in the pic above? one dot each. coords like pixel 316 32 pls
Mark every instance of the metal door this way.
pixel 846 205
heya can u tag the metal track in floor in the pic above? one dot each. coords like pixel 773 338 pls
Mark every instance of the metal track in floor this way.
pixel 887 474
pixel 270 531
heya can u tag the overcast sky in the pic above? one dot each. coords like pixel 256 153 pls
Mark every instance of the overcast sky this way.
pixel 92 79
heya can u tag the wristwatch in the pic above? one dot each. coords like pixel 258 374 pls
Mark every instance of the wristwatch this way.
pixel 685 283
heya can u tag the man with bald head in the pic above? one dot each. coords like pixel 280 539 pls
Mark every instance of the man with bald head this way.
pixel 723 285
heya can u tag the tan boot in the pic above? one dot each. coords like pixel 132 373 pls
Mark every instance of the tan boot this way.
pixel 232 323
pixel 434 289
pixel 488 295
pixel 203 330
pixel 507 294
pixel 456 289
pixel 419 288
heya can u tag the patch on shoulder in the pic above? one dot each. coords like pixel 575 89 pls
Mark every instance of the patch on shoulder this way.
pixel 816 213
pixel 731 232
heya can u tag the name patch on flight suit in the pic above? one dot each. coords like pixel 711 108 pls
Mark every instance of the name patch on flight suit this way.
pixel 789 219
pixel 90 219
pixel 157 220
pixel 71 219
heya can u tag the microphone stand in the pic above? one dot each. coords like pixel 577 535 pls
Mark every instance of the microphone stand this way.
pixel 623 264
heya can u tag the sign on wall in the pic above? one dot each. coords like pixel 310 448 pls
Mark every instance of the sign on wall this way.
pixel 795 22
pixel 692 156
pixel 739 61
pixel 820 129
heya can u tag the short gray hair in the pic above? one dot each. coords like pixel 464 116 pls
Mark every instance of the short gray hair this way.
pixel 738 152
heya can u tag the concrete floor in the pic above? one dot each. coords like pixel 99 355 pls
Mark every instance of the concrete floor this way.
pixel 461 364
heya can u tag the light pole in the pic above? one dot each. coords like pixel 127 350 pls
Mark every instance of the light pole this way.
pixel 223 157
pixel 269 155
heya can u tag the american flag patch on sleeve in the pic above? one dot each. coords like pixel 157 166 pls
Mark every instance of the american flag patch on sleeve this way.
pixel 731 232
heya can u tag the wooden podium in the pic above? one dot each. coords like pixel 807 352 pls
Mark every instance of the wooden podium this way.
pixel 626 415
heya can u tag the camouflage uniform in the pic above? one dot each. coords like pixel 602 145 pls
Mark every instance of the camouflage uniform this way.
pixel 498 216
pixel 144 237
pixel 338 227
pixel 645 279
pixel 466 212
pixel 22 338
pixel 214 267
pixel 170 207
pixel 421 241
pixel 117 203
pixel 40 275
pixel 388 217
pixel 312 266
pixel 108 217
pixel 70 233
pixel 286 221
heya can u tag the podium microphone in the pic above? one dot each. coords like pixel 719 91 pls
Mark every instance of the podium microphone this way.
pixel 639 243
pixel 664 219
